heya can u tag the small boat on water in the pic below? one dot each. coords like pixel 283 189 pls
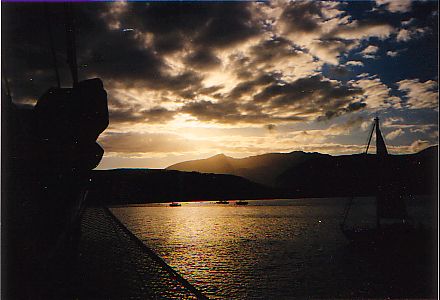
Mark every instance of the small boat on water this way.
pixel 392 221
pixel 175 204
pixel 241 202
pixel 222 202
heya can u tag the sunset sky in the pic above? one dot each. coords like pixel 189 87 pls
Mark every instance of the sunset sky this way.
pixel 191 80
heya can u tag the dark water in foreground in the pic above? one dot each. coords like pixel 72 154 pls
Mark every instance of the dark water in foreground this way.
pixel 281 249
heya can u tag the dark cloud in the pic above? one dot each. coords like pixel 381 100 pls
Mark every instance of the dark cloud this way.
pixel 163 18
pixel 355 106
pixel 114 55
pixel 270 127
pixel 202 59
pixel 272 50
pixel 171 24
pixel 130 111
pixel 133 115
pixel 351 107
pixel 181 82
pixel 314 94
pixel 28 52
pixel 125 56
pixel 247 87
pixel 206 24
pixel 210 111
pixel 354 122
pixel 210 90
pixel 339 71
pixel 289 93
pixel 230 25
pixel 117 55
pixel 229 112
pixel 302 16
pixel 168 42
pixel 330 49
pixel 165 48
pixel 125 115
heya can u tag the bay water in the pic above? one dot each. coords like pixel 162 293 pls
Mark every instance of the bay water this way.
pixel 283 248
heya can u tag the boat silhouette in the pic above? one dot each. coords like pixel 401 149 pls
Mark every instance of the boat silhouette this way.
pixel 175 204
pixel 241 202
pixel 392 220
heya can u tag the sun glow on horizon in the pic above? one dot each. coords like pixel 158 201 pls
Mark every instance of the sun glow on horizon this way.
pixel 244 78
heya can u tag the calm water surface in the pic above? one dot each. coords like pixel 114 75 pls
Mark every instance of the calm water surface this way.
pixel 277 248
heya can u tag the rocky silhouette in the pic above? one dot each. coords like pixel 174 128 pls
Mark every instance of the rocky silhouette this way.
pixel 47 155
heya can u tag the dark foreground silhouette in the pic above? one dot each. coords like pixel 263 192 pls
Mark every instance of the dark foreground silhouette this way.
pixel 47 155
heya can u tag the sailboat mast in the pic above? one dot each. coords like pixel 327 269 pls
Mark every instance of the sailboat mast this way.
pixel 381 153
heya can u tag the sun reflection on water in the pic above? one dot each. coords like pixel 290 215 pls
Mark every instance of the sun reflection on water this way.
pixel 256 251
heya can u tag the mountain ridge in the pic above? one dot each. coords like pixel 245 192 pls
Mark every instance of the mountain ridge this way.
pixel 267 168
pixel 306 175
pixel 262 168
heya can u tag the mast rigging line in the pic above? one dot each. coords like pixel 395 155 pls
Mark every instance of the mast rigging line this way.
pixel 52 47
pixel 369 139
pixel 70 48
pixel 70 42
pixel 5 79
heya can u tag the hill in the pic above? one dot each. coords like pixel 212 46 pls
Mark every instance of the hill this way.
pixel 360 174
pixel 300 174
pixel 263 169
pixel 291 175
pixel 136 186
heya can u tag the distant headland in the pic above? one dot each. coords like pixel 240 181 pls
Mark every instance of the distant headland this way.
pixel 274 175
